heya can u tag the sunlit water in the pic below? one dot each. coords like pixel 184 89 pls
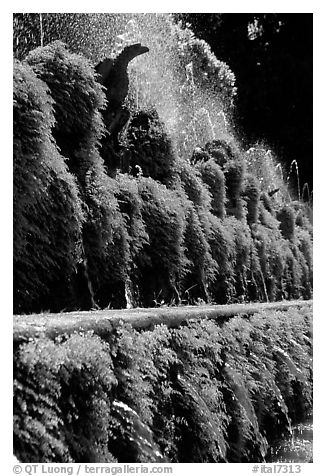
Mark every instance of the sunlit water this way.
pixel 298 448
pixel 173 78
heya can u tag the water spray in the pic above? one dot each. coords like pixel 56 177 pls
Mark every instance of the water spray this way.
pixel 295 163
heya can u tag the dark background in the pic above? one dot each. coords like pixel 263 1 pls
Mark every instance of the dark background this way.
pixel 272 58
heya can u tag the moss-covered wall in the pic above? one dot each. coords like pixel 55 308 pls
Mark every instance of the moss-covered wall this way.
pixel 203 392
pixel 161 229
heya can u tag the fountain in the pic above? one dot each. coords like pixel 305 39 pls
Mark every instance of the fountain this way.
pixel 167 79
pixel 305 189
pixel 294 163
pixel 279 169
pixel 41 29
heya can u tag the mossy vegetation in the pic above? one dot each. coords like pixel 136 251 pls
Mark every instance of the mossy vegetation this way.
pixel 142 396
pixel 173 211
pixel 166 229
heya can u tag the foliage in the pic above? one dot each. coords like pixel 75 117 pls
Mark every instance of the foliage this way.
pixel 234 177
pixel 251 195
pixel 272 252
pixel 286 217
pixel 77 101
pixel 305 246
pixel 208 72
pixel 90 34
pixel 190 180
pixel 202 266
pixel 264 49
pixel 168 229
pixel 223 149
pixel 213 176
pixel 228 156
pixel 243 259
pixel 47 207
pixel 163 261
pixel 79 127
pixel 106 240
pixel 149 148
pixel 63 396
pixel 221 240
pixel 204 392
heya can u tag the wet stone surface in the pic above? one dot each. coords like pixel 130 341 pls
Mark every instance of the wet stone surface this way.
pixel 298 448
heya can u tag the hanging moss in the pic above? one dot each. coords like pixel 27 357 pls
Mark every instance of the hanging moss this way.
pixel 251 195
pixel 305 246
pixel 223 150
pixel 208 72
pixel 221 240
pixel 130 206
pixel 75 376
pixel 293 273
pixel 267 218
pixel 286 217
pixel 79 127
pixel 213 176
pixel 205 392
pixel 267 202
pixel 164 226
pixel 243 265
pixel 148 148
pixel 77 101
pixel 47 207
pixel 202 266
pixel 163 261
pixel 106 241
pixel 189 179
pixel 272 251
pixel 234 177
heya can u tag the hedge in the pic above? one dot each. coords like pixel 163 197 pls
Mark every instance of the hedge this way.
pixel 202 392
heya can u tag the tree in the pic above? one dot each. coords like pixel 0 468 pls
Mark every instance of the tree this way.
pixel 271 56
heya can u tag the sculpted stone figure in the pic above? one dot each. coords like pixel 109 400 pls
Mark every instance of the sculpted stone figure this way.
pixel 113 74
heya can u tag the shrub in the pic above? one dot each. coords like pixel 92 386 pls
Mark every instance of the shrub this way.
pixel 90 34
pixel 244 262
pixel 305 246
pixel 266 201
pixel 63 396
pixel 204 392
pixel 223 150
pixel 77 101
pixel 163 261
pixel 130 206
pixel 208 72
pixel 286 217
pixel 292 275
pixel 213 176
pixel 189 179
pixel 198 399
pixel 47 207
pixel 251 195
pixel 221 240
pixel 106 241
pixel 149 148
pixel 234 176
pixel 202 266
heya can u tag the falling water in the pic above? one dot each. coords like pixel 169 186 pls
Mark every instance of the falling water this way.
pixel 221 122
pixel 294 163
pixel 166 79
pixel 298 448
pixel 169 79
pixel 280 170
pixel 41 29
pixel 306 189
